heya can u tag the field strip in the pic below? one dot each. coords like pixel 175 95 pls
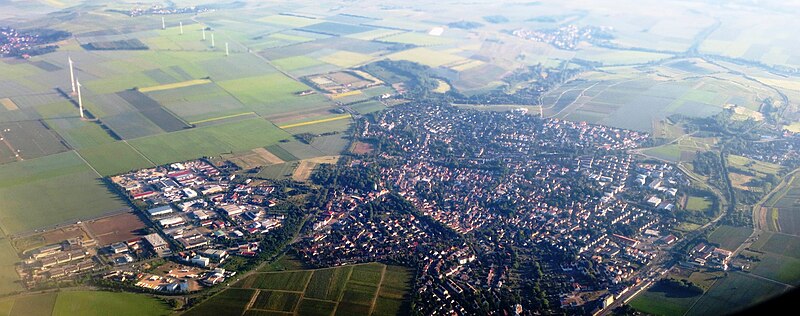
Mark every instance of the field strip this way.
pixel 330 119
pixel 169 86
pixel 222 118
pixel 9 104
pixel 268 156
pixel 252 301
pixel 346 94
pixel 378 292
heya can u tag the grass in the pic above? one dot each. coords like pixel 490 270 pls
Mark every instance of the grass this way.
pixel 733 293
pixel 288 20
pixel 114 158
pixel 418 39
pixel 9 280
pixel 296 62
pixel 328 284
pixel 39 304
pixel 51 190
pixel 98 303
pixel 278 171
pixel 314 307
pixel 697 203
pixel 346 59
pixel 208 141
pixel 661 300
pixel 730 237
pixel 176 85
pixel 269 94
pixel 778 267
pixel 426 57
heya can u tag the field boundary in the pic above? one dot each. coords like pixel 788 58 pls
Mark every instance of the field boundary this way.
pixel 325 120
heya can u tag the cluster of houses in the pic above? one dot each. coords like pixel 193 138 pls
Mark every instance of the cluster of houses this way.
pixel 657 185
pixel 566 37
pixel 707 255
pixel 56 261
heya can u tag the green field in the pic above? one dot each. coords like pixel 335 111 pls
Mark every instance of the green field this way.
pixel 344 290
pixel 208 141
pixel 661 300
pixel 51 190
pixel 88 303
pixel 279 171
pixel 733 293
pixel 9 280
pixel 271 94
pixel 114 158
pixel 696 203
pixel 730 237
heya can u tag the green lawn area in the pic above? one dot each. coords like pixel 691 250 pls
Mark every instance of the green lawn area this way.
pixel 426 56
pixel 209 141
pixel 670 152
pixel 730 237
pixel 51 190
pixel 696 203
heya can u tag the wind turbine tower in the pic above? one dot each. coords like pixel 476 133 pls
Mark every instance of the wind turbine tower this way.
pixel 163 24
pixel 227 53
pixel 71 74
pixel 204 34
pixel 212 40
pixel 80 100
pixel 181 24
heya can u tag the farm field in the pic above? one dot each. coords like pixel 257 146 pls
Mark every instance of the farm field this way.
pixel 87 303
pixel 361 289
pixel 661 300
pixel 730 237
pixel 733 293
pixel 781 208
pixel 744 171
pixel 117 228
pixel 114 158
pixel 51 190
pixel 208 141
pixel 8 275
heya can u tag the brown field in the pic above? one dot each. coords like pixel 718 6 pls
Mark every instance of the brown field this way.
pixel 8 104
pixel 306 167
pixel 303 171
pixel 360 148
pixel 31 242
pixel 255 158
pixel 115 228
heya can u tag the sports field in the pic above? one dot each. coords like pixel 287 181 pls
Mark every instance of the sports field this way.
pixel 363 289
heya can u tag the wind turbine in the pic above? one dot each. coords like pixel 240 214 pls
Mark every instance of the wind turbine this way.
pixel 163 24
pixel 204 33
pixel 181 24
pixel 212 40
pixel 71 74
pixel 227 53
pixel 80 100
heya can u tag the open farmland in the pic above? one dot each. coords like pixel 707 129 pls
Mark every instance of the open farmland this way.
pixel 116 228
pixel 733 293
pixel 730 237
pixel 51 190
pixel 27 140
pixel 89 303
pixel 779 212
pixel 271 94
pixel 361 289
pixel 208 141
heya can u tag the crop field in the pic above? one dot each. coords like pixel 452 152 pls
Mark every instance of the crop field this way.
pixel 278 171
pixel 116 228
pixel 418 39
pixel 661 300
pixel 427 57
pixel 778 267
pixel 169 86
pixel 782 206
pixel 346 59
pixel 153 111
pixel 9 280
pixel 51 190
pixel 271 94
pixel 28 139
pixel 730 237
pixel 335 29
pixel 296 62
pixel 733 293
pixel 346 290
pixel 745 170
pixel 114 158
pixel 301 150
pixel 89 303
pixel 208 141
pixel 228 302
pixel 79 133
pixel 332 144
